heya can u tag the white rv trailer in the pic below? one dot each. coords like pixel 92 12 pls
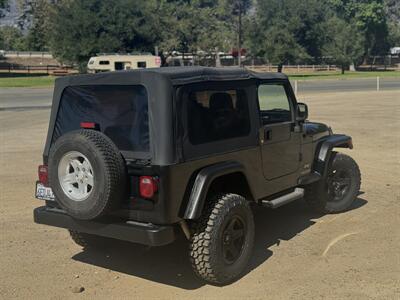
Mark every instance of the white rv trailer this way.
pixel 116 62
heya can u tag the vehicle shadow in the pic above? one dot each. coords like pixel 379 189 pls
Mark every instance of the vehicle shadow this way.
pixel 170 264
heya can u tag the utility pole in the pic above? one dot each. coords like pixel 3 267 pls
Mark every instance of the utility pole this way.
pixel 239 33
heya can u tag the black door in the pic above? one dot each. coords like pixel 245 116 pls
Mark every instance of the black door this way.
pixel 118 66
pixel 280 144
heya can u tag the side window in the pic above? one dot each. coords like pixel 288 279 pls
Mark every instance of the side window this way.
pixel 118 65
pixel 104 62
pixel 274 104
pixel 217 115
pixel 141 64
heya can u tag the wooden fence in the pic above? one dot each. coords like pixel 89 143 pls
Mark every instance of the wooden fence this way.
pixel 47 69
pixel 294 68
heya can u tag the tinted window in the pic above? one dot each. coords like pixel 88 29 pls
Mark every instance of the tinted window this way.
pixel 217 115
pixel 120 111
pixel 118 66
pixel 274 104
pixel 104 62
pixel 141 64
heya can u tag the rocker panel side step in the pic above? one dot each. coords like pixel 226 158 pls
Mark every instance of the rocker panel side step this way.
pixel 282 200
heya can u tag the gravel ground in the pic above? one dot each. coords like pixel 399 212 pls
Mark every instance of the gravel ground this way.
pixel 298 255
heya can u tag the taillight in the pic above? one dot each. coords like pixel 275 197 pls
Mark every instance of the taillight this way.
pixel 43 174
pixel 89 125
pixel 147 186
pixel 158 61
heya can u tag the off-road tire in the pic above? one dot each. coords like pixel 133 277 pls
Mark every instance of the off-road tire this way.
pixel 206 252
pixel 109 173
pixel 317 196
pixel 88 241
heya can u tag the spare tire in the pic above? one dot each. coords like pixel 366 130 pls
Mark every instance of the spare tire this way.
pixel 87 174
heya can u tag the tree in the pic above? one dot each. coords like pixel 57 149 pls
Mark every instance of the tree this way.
pixel 370 18
pixel 344 43
pixel 184 25
pixel 82 28
pixel 394 34
pixel 194 26
pixel 235 11
pixel 286 31
pixel 25 11
pixel 11 38
pixel 279 46
pixel 36 38
pixel 393 15
pixel 214 33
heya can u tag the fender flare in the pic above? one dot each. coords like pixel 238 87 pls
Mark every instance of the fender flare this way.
pixel 202 183
pixel 324 151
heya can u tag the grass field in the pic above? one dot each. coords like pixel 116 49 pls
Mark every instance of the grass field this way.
pixel 26 81
pixel 22 80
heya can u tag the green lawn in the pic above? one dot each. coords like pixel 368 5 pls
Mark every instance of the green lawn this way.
pixel 346 75
pixel 26 81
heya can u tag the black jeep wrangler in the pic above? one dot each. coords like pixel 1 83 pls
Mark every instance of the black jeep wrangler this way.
pixel 145 155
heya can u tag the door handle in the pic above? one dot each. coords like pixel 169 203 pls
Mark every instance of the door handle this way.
pixel 268 134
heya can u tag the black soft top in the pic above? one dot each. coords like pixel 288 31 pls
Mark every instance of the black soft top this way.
pixel 176 75
pixel 184 75
pixel 160 85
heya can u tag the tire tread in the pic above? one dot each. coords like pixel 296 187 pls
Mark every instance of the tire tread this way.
pixel 114 172
pixel 201 247
pixel 315 194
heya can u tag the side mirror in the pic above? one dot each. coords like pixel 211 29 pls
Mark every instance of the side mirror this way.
pixel 302 112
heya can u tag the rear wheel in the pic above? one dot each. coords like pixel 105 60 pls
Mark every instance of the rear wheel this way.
pixel 338 191
pixel 87 174
pixel 222 240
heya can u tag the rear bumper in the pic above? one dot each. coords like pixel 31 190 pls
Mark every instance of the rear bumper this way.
pixel 142 233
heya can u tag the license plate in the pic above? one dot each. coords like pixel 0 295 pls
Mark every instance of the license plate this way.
pixel 44 192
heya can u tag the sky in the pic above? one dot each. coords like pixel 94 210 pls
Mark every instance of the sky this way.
pixel 10 17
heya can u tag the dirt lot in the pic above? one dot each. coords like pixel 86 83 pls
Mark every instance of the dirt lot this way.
pixel 298 255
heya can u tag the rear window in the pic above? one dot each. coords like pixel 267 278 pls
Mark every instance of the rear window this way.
pixel 121 112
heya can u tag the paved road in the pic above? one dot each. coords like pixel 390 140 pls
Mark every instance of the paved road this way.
pixel 30 98
pixel 14 98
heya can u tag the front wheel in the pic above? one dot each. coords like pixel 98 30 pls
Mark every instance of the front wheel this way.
pixel 339 189
pixel 222 240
